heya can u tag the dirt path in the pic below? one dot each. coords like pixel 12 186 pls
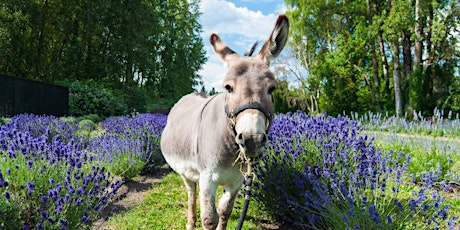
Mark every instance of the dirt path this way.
pixel 130 194
pixel 423 141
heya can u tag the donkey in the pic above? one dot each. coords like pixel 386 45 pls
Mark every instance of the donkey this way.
pixel 205 135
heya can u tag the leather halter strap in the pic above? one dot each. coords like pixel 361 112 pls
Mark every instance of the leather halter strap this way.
pixel 238 110
pixel 232 114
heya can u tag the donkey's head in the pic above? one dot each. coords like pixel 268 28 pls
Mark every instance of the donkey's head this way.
pixel 249 84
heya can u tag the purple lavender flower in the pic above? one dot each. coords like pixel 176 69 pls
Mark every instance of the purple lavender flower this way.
pixel 374 215
pixel 64 224
pixel 30 185
pixel 7 195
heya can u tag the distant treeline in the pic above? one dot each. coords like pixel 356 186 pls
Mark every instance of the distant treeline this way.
pixel 377 55
pixel 115 56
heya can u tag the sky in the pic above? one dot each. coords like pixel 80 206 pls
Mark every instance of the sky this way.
pixel 239 23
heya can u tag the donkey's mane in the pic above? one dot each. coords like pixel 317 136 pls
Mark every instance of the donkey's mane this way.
pixel 251 51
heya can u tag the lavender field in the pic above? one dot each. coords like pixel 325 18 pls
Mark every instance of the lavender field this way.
pixel 318 173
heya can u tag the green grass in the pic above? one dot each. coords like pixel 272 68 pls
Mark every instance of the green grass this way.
pixel 165 207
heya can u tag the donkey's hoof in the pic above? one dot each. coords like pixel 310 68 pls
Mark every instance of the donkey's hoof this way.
pixel 209 223
pixel 190 226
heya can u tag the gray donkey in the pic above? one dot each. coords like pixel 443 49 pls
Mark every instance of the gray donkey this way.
pixel 205 135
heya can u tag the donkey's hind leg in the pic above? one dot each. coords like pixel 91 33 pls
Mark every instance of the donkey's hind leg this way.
pixel 191 214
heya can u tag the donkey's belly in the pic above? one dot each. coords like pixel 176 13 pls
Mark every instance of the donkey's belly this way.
pixel 178 141
pixel 186 169
pixel 178 153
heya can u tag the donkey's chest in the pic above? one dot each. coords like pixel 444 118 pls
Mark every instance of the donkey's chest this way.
pixel 224 176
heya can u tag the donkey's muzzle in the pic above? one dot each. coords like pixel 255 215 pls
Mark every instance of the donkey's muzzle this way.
pixel 252 143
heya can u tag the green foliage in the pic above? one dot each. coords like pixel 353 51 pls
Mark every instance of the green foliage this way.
pixel 92 98
pixel 91 117
pixel 452 101
pixel 4 120
pixel 349 48
pixel 213 91
pixel 433 88
pixel 85 128
pixel 140 49
pixel 127 165
pixel 286 100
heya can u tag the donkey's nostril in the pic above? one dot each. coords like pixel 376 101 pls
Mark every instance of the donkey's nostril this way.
pixel 251 141
pixel 264 139
pixel 240 139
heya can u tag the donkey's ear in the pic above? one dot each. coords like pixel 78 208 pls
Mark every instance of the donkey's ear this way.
pixel 222 49
pixel 276 41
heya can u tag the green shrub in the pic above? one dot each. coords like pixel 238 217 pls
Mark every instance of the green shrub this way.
pixel 93 98
pixel 92 117
pixel 4 120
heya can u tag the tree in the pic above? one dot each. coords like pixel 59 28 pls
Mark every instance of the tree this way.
pixel 213 91
pixel 337 43
pixel 288 68
pixel 143 49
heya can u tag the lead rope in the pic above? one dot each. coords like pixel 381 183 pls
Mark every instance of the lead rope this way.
pixel 248 177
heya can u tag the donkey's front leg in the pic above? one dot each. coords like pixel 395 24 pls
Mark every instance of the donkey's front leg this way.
pixel 226 203
pixel 208 213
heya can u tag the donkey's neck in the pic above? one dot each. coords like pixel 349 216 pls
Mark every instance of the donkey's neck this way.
pixel 216 132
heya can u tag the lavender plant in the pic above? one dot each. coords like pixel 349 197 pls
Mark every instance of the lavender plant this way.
pixel 130 144
pixel 49 126
pixel 320 174
pixel 57 173
pixel 441 158
pixel 441 124
pixel 48 182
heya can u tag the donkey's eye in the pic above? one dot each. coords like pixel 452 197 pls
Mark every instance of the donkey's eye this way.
pixel 229 88
pixel 271 89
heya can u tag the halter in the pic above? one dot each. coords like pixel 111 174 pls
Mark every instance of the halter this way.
pixel 233 114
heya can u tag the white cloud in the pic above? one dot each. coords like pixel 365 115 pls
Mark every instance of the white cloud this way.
pixel 225 18
pixel 259 1
pixel 238 27
pixel 281 9
pixel 213 73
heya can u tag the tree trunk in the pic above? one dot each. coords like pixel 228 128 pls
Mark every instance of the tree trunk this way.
pixel 385 66
pixel 407 58
pixel 429 33
pixel 375 61
pixel 397 79
pixel 418 47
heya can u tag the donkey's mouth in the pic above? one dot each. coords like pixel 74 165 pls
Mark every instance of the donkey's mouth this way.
pixel 252 153
pixel 251 144
pixel 246 155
